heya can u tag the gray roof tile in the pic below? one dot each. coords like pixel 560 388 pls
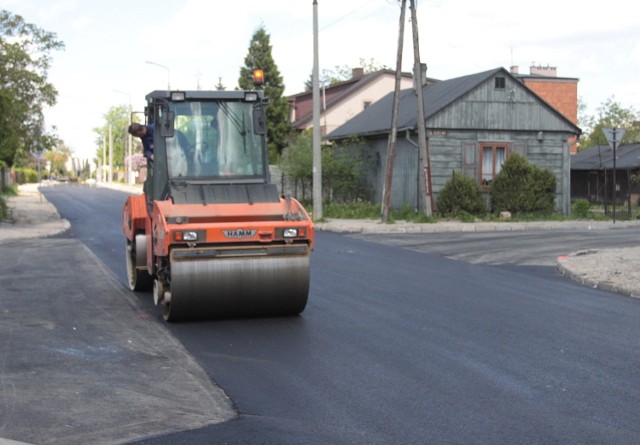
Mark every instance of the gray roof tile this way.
pixel 376 119
pixel 600 157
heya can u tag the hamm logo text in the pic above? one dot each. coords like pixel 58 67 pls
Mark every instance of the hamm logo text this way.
pixel 239 233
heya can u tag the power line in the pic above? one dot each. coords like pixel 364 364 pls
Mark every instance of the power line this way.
pixel 339 19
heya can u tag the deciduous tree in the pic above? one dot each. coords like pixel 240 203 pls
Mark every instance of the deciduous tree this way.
pixel 610 114
pixel 118 118
pixel 58 158
pixel 341 73
pixel 25 58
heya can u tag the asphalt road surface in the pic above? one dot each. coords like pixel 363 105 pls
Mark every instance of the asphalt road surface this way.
pixel 521 248
pixel 400 344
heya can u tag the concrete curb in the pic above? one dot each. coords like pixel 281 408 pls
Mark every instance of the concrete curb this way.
pixel 11 442
pixel 373 226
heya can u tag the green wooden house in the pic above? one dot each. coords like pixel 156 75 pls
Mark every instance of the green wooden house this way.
pixel 474 123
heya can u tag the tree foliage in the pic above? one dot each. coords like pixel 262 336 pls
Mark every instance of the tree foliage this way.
pixel 118 118
pixel 610 114
pixel 259 57
pixel 58 158
pixel 522 187
pixel 297 162
pixel 220 86
pixel 461 195
pixel 344 172
pixel 341 73
pixel 343 169
pixel 25 58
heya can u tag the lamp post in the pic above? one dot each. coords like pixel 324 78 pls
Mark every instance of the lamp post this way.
pixel 316 148
pixel 128 170
pixel 162 66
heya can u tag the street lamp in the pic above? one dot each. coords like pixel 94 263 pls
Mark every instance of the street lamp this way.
pixel 162 66
pixel 128 170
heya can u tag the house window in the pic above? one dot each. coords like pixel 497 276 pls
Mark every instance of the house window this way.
pixel 500 83
pixel 492 157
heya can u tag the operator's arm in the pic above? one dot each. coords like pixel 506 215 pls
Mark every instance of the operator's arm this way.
pixel 147 143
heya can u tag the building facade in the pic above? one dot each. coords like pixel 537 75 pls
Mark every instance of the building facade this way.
pixel 474 123
pixel 342 101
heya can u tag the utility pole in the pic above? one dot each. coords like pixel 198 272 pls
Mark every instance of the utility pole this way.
pixel 110 155
pixel 615 184
pixel 129 143
pixel 104 159
pixel 317 153
pixel 391 148
pixel 425 170
pixel 130 180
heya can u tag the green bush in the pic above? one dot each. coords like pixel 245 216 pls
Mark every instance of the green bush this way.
pixel 522 187
pixel 368 210
pixel 26 175
pixel 3 209
pixel 465 217
pixel 409 214
pixel 344 169
pixel 343 174
pixel 11 190
pixel 352 210
pixel 461 196
pixel 581 209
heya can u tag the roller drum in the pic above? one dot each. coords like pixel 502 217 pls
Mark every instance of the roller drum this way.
pixel 238 286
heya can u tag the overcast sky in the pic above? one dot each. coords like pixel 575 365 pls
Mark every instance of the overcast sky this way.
pixel 201 41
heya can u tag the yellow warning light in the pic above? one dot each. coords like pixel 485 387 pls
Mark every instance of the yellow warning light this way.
pixel 258 77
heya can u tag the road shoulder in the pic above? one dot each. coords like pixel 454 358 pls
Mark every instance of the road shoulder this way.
pixel 81 362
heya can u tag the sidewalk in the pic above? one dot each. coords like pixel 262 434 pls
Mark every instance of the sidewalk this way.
pixel 31 216
pixel 616 270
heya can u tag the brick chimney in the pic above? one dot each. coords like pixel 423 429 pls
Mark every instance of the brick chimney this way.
pixel 357 73
pixel 420 79
pixel 548 71
pixel 513 69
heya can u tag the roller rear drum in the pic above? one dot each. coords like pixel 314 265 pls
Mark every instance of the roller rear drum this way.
pixel 215 284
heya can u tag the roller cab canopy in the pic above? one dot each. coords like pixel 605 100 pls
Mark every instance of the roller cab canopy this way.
pixel 209 147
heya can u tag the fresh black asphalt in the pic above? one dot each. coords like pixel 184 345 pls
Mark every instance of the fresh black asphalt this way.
pixel 395 346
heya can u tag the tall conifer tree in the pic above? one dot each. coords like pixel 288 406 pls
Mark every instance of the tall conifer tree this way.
pixel 259 57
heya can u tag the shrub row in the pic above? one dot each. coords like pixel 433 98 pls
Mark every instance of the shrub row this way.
pixel 26 175
pixel 519 188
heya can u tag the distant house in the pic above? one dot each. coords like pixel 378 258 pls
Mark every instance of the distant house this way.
pixel 342 101
pixel 474 123
pixel 592 174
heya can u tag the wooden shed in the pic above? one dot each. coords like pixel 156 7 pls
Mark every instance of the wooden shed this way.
pixel 473 124
pixel 592 175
